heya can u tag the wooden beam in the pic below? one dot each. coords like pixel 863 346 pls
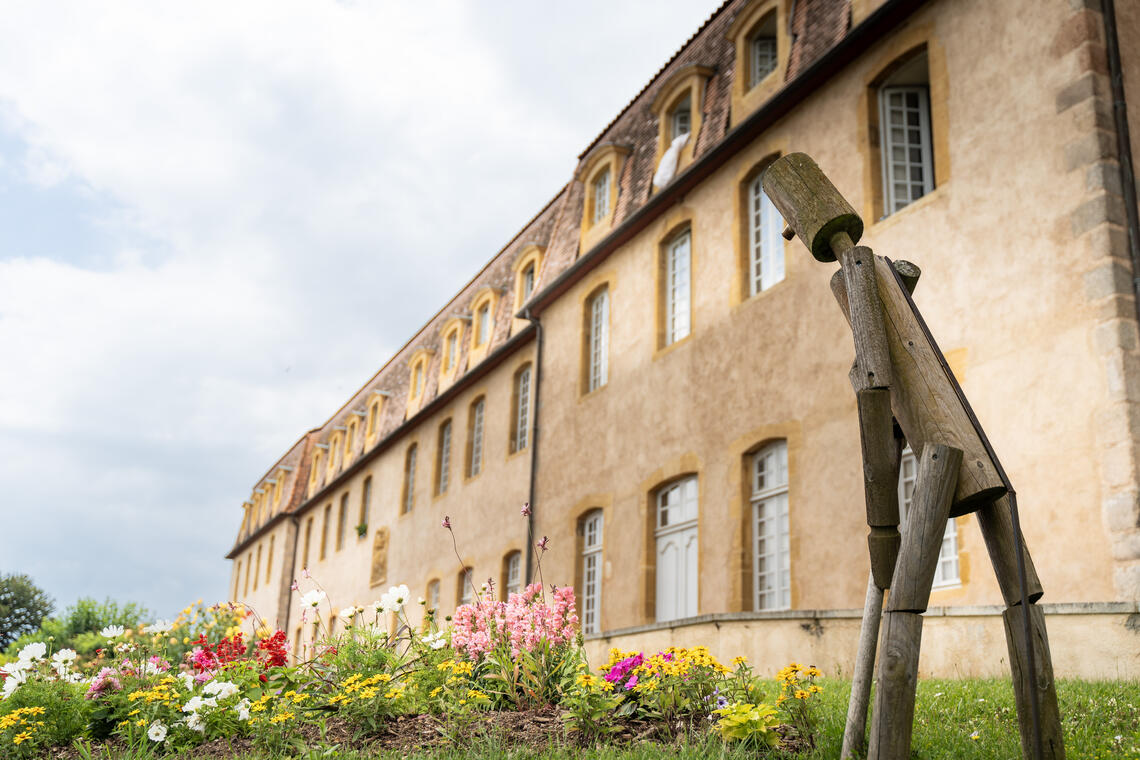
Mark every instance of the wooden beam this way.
pixel 880 480
pixel 1049 715
pixel 854 732
pixel 893 719
pixel 996 522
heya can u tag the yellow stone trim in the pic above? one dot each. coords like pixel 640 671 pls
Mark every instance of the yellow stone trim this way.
pixel 448 373
pixel 351 437
pixel 489 297
pixel 334 462
pixel 690 81
pixel 372 419
pixel 530 254
pixel 418 362
pixel 747 97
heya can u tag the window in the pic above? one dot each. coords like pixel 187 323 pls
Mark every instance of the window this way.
pixel 433 595
pixel 520 420
pixel 315 472
pixel 373 418
pixel 770 550
pixel 418 380
pixel 598 340
pixel 334 454
pixel 512 574
pixel 592 572
pixel 325 531
pixel 681 118
pixel 237 579
pixel 946 573
pixel 443 458
pixel 409 499
pixel 677 549
pixel 451 350
pixel 248 563
pixel 269 561
pixel 677 284
pixel 762 51
pixel 904 135
pixel 765 241
pixel 483 324
pixel 465 588
pixel 365 502
pixel 600 196
pixel 278 486
pixel 350 440
pixel 308 540
pixel 475 438
pixel 342 521
pixel 527 282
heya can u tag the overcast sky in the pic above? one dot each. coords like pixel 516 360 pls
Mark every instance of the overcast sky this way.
pixel 219 219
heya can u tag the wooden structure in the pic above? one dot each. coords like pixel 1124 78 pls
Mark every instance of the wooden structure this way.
pixel 905 392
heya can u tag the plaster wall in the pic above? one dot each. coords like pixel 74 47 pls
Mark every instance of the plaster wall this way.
pixel 1001 289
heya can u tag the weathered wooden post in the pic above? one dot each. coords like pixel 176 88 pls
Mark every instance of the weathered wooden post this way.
pixel 900 376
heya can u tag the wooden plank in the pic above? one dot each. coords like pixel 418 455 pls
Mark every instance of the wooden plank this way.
pixel 810 204
pixel 923 399
pixel 854 732
pixel 996 522
pixel 893 719
pixel 880 480
pixel 868 328
pixel 1024 681
pixel 938 467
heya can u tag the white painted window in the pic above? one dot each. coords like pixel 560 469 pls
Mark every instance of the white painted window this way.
pixel 483 325
pixel 452 351
pixel 465 590
pixel 592 572
pixel 763 52
pixel 677 550
pixel 681 119
pixel 601 191
pixel 433 595
pixel 527 282
pixel 514 574
pixel 522 409
pixel 418 380
pixel 946 573
pixel 599 339
pixel 904 127
pixel 475 466
pixel 444 463
pixel 677 286
pixel 410 479
pixel 766 243
pixel 770 551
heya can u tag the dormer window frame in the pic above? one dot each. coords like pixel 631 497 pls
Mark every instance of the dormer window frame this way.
pixel 752 84
pixel 600 175
pixel 418 365
pixel 684 86
pixel 375 409
pixel 484 306
pixel 528 260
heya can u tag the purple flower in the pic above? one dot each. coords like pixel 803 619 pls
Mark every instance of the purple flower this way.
pixel 631 682
pixel 721 703
pixel 446 522
pixel 526 510
pixel 543 543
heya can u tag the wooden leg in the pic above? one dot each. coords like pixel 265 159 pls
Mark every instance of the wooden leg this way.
pixel 1049 715
pixel 934 488
pixel 855 730
pixel 996 522
pixel 880 480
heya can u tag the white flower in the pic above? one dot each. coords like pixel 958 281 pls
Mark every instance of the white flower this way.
pixel 220 689
pixel 112 632
pixel 159 626
pixel 32 652
pixel 242 709
pixel 395 597
pixel 194 722
pixel 348 614
pixel 63 657
pixel 16 676
pixel 187 680
pixel 422 602
pixel 378 606
pixel 194 704
pixel 313 598
pixel 156 732
pixel 435 640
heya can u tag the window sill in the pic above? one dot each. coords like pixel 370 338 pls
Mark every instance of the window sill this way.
pixel 886 222
pixel 665 350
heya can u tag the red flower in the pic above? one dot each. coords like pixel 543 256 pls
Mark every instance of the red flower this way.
pixel 261 677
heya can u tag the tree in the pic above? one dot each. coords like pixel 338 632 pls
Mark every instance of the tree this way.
pixel 23 606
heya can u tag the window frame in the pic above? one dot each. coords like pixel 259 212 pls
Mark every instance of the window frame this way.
pixel 597 338
pixel 925 145
pixel 443 457
pixel 593 542
pixel 465 587
pixel 432 595
pixel 476 422
pixel 600 191
pixel 764 239
pixel 520 408
pixel 672 329
pixel 512 574
pixel 774 495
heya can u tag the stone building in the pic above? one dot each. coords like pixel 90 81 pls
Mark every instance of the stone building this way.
pixel 664 379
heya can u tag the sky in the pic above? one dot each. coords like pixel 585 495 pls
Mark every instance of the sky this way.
pixel 219 219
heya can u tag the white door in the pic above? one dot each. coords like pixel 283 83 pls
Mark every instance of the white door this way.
pixel 677 550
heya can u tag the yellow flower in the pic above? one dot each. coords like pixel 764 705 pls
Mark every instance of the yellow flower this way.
pixel 21 738
pixel 435 692
pixel 813 672
pixel 140 722
pixel 801 694
pixel 133 712
pixel 815 689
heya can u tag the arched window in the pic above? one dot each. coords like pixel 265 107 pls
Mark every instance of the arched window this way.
pixel 483 324
pixel 677 545
pixel 365 505
pixel 905 140
pixel 465 589
pixel 512 574
pixel 762 50
pixel 443 458
pixel 592 524
pixel 770 555
pixel 597 339
pixel 520 419
pixel 946 572
pixel 475 438
pixel 681 117
pixel 527 282
pixel 765 241
pixel 409 495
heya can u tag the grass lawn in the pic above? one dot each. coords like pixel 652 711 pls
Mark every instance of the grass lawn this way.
pixel 964 720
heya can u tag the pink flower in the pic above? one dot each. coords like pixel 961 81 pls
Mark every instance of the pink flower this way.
pixel 294 587
pixel 543 543
pixel 446 522
pixel 526 510
pixel 305 573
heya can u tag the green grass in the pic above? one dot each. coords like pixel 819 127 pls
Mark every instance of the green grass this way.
pixel 949 713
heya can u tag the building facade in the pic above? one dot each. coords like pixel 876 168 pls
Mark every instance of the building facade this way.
pixel 664 378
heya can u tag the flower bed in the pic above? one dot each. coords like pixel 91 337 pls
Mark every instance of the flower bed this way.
pixel 514 665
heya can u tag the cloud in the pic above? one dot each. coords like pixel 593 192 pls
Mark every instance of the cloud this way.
pixel 223 217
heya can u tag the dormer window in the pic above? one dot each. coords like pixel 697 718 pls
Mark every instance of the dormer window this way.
pixel 681 118
pixel 483 308
pixel 483 324
pixel 451 352
pixel 759 33
pixel 527 282
pixel 600 196
pixel 418 380
pixel 372 425
pixel 762 51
